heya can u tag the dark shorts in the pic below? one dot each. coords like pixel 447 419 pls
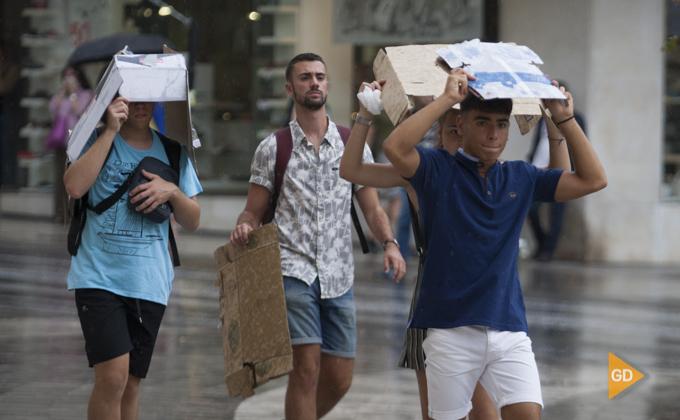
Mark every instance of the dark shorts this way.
pixel 111 326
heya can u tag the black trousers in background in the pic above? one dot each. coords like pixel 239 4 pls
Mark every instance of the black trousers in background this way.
pixel 547 240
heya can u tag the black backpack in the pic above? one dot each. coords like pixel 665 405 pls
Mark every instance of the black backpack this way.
pixel 172 149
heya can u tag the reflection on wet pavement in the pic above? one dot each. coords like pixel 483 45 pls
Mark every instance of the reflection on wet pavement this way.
pixel 577 314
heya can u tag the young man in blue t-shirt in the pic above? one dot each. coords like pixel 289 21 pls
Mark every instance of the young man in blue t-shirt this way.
pixel 473 207
pixel 123 271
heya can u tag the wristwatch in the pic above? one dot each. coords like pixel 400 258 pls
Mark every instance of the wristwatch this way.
pixel 394 241
pixel 362 120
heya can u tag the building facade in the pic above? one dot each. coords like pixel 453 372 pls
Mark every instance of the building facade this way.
pixel 613 54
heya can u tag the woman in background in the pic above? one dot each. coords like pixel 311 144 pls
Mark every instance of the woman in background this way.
pixel 66 107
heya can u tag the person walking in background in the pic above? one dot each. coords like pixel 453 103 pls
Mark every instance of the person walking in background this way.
pixel 65 107
pixel 540 156
pixel 313 216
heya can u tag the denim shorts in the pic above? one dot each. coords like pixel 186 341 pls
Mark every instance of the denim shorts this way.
pixel 312 320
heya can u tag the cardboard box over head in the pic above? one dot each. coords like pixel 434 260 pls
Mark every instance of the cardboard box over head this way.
pixel 255 332
pixel 415 70
pixel 141 78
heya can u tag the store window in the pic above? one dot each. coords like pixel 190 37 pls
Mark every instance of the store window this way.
pixel 275 34
pixel 215 36
pixel 236 51
pixel 217 43
pixel 670 186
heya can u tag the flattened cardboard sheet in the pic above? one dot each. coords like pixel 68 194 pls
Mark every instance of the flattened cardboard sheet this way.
pixel 255 332
pixel 502 70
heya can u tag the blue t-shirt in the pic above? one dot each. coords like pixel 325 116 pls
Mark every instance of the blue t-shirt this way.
pixel 471 228
pixel 120 251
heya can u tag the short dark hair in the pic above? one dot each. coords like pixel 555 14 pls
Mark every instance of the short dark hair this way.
pixel 297 59
pixel 489 106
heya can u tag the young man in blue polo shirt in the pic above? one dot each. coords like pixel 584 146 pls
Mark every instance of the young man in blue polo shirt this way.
pixel 473 207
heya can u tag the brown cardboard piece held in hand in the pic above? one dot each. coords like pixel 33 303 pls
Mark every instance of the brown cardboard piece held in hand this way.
pixel 413 70
pixel 255 332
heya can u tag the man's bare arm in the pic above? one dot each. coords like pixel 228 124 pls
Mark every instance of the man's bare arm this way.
pixel 251 217
pixel 379 224
pixel 187 211
pixel 588 176
pixel 559 152
pixel 352 166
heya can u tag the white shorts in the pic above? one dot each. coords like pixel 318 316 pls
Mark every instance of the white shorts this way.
pixel 459 357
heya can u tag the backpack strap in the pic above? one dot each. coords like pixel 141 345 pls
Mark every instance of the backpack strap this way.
pixel 174 152
pixel 75 229
pixel 173 149
pixel 284 148
pixel 344 135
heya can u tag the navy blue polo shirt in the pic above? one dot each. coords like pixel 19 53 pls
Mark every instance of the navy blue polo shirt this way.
pixel 471 227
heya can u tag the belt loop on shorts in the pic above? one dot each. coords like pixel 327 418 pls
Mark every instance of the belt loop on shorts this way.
pixel 139 311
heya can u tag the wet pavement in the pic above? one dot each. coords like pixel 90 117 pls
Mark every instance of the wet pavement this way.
pixel 577 314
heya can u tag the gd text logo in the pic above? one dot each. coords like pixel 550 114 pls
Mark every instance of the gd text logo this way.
pixel 621 375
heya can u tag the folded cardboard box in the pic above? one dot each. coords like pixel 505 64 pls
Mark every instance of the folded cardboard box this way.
pixel 414 70
pixel 255 332
pixel 141 78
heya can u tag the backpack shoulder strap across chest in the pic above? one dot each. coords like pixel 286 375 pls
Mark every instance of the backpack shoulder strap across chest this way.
pixel 173 150
pixel 284 148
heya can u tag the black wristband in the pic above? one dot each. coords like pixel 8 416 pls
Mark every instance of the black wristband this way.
pixel 564 120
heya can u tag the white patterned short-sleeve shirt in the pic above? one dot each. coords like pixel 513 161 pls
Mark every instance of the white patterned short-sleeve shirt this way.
pixel 313 209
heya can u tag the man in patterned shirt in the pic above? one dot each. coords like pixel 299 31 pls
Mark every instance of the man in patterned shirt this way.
pixel 313 216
